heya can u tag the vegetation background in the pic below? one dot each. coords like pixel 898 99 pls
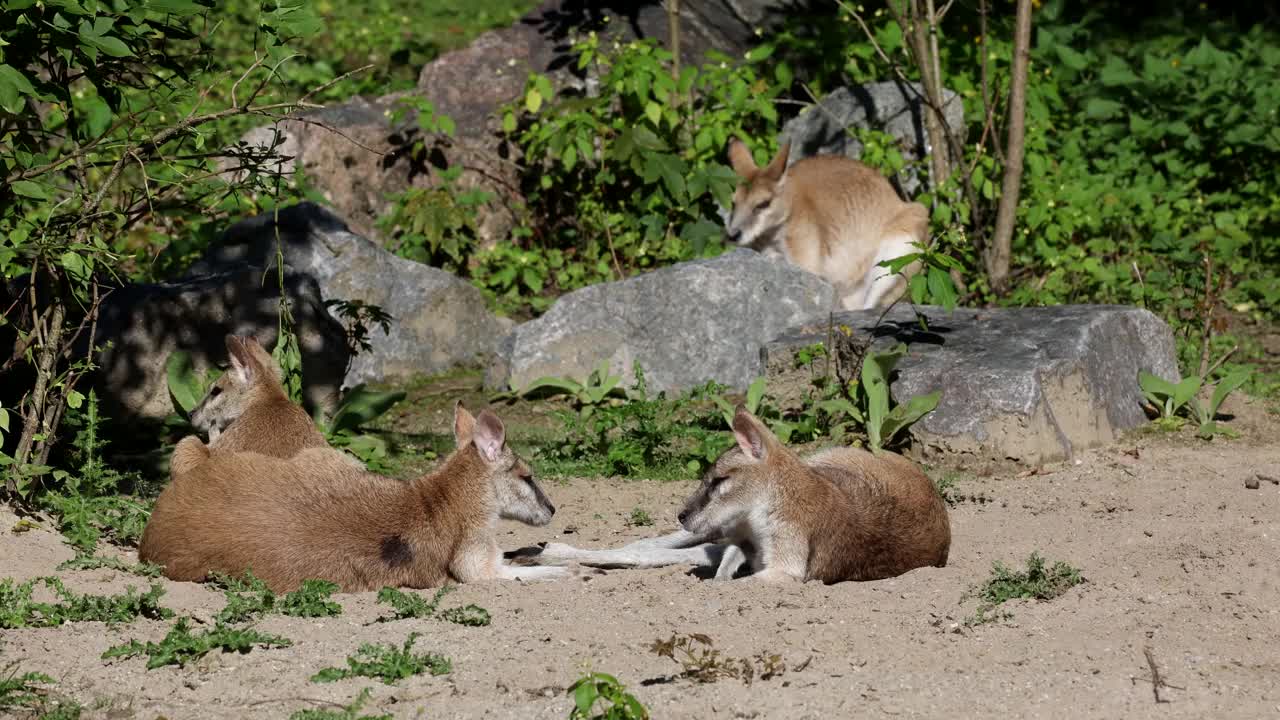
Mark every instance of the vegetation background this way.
pixel 1150 175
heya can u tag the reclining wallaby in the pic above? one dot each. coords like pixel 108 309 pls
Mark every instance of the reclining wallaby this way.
pixel 839 514
pixel 315 516
pixel 831 215
pixel 247 409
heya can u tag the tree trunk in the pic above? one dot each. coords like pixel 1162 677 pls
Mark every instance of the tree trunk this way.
pixel 924 23
pixel 1001 243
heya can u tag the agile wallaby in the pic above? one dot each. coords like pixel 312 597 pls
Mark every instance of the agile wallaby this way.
pixel 315 516
pixel 839 514
pixel 247 410
pixel 831 215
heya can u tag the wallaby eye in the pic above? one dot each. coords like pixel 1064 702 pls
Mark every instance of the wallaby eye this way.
pixel 715 481
pixel 215 392
pixel 763 204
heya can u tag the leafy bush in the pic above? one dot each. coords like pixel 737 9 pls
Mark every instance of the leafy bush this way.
pixel 387 663
pixel 18 609
pixel 599 696
pixel 180 646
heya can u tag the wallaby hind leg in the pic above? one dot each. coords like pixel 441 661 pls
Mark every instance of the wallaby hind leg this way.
pixel 906 233
pixel 190 452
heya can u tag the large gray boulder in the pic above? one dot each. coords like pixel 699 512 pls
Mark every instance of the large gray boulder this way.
pixel 141 325
pixel 1033 384
pixel 685 324
pixel 438 321
pixel 892 106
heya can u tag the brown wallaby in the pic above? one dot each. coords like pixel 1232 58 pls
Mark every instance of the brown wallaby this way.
pixel 831 215
pixel 839 514
pixel 316 516
pixel 247 409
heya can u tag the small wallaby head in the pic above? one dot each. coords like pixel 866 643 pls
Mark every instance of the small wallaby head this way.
pixel 739 481
pixel 759 207
pixel 516 493
pixel 253 372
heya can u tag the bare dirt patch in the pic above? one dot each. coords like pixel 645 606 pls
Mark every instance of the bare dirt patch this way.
pixel 1182 563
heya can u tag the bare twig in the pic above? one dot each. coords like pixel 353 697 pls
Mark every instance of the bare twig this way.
pixel 999 250
pixel 1225 356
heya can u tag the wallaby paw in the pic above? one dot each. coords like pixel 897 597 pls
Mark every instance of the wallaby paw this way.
pixel 585 572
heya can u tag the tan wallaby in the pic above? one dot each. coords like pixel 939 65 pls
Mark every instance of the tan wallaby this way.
pixel 315 516
pixel 839 514
pixel 831 215
pixel 247 409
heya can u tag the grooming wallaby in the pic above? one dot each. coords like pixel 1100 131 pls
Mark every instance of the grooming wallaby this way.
pixel 839 514
pixel 247 410
pixel 315 516
pixel 831 215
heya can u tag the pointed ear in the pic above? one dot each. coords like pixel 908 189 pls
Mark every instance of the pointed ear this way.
pixel 463 425
pixel 490 435
pixel 263 358
pixel 752 435
pixel 778 166
pixel 243 366
pixel 740 158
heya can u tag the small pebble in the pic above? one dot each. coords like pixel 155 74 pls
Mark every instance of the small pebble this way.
pixel 1251 482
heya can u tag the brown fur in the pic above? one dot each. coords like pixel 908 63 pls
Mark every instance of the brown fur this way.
pixel 316 516
pixel 831 215
pixel 247 410
pixel 841 514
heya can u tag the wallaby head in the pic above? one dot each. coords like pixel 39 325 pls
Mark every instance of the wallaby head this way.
pixel 759 207
pixel 253 374
pixel 515 492
pixel 739 483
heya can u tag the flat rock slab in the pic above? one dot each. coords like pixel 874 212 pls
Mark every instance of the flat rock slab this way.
pixel 1032 384
pixel 438 320
pixel 685 324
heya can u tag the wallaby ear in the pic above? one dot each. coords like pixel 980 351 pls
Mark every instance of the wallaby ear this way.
pixel 778 166
pixel 752 436
pixel 489 436
pixel 463 425
pixel 740 158
pixel 263 358
pixel 243 366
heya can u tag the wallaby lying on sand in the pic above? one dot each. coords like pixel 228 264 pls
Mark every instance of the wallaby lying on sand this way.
pixel 830 215
pixel 247 409
pixel 839 514
pixel 315 516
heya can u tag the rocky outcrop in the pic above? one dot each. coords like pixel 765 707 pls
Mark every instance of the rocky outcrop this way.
pixel 1033 384
pixel 140 325
pixel 438 321
pixel 893 107
pixel 685 324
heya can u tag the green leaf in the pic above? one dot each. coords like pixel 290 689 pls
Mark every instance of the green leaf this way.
pixel 76 265
pixel 653 112
pixel 185 389
pixel 1116 72
pixel 533 100
pixel 27 188
pixel 1225 387
pixel 566 385
pixel 670 169
pixel 1100 109
pixel 876 369
pixel 361 405
pixel 755 393
pixel 75 399
pixel 905 414
pixel 941 288
pixel 509 122
pixel 14 90
pixel 1071 58
pixel 97 117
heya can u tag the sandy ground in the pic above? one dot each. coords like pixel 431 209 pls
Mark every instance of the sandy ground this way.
pixel 1181 559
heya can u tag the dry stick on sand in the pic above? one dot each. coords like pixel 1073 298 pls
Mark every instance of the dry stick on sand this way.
pixel 1156 680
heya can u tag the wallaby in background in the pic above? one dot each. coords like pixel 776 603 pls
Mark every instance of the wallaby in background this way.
pixel 838 514
pixel 315 516
pixel 247 410
pixel 831 215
